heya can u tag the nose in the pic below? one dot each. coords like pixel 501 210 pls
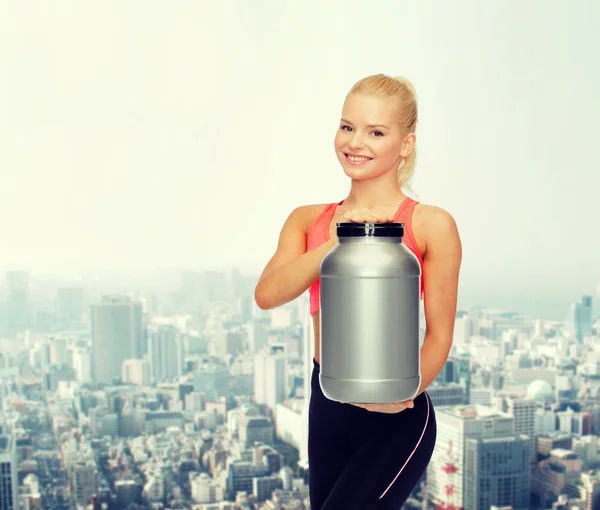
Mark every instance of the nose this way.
pixel 356 142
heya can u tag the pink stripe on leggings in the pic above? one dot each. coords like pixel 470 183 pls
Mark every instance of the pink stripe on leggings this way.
pixel 413 452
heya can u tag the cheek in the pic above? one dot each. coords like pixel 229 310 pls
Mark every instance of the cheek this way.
pixel 338 141
pixel 386 151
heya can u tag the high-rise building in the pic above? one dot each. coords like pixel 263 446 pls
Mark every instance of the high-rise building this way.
pixel 18 313
pixel 82 363
pixel 117 334
pixel 447 473
pixel 9 483
pixel 496 472
pixel 579 318
pixel 269 378
pixel 59 352
pixel 165 352
pixel 464 327
pixel 83 481
pixel 523 411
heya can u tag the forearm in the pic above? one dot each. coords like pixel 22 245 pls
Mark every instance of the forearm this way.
pixel 434 353
pixel 288 281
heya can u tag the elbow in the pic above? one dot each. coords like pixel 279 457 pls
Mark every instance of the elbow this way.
pixel 261 298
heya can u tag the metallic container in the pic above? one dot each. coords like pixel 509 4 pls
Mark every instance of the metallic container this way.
pixel 369 321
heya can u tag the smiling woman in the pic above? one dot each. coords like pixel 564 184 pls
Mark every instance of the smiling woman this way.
pixel 378 123
pixel 372 455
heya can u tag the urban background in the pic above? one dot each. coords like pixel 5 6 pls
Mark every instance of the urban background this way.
pixel 149 155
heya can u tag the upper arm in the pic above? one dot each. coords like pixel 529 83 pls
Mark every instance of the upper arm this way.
pixel 441 268
pixel 292 240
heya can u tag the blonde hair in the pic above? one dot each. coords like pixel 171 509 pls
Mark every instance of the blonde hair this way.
pixel 404 91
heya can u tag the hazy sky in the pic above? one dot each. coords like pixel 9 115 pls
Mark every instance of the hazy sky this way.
pixel 145 134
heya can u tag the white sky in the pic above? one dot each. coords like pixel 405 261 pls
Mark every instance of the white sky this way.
pixel 145 133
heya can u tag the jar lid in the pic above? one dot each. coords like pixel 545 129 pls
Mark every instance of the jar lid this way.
pixel 352 229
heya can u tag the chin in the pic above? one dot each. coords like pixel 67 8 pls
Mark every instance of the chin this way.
pixel 357 175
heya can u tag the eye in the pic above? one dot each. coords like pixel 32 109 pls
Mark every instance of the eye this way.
pixel 343 127
pixel 377 133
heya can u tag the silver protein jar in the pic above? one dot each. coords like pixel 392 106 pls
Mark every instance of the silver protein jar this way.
pixel 369 321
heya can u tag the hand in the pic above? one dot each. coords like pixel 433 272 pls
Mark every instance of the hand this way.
pixel 365 216
pixel 393 408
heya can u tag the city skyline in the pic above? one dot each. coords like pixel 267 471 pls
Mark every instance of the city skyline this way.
pixel 215 374
pixel 531 301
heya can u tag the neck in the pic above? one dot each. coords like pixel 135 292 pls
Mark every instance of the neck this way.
pixel 380 191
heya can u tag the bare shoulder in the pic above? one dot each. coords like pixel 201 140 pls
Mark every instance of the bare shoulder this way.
pixel 435 225
pixel 304 215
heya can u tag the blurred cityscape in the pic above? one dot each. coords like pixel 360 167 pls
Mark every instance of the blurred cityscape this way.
pixel 194 398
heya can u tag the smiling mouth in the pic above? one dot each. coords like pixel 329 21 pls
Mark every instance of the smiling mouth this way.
pixel 356 160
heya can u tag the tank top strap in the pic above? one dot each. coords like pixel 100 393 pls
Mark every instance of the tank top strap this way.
pixel 405 210
pixel 323 218
pixel 404 215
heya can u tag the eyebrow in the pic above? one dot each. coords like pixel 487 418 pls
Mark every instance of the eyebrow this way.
pixel 369 126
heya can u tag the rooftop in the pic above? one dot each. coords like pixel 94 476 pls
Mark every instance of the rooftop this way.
pixel 475 412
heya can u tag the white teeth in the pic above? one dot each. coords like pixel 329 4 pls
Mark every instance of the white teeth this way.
pixel 358 159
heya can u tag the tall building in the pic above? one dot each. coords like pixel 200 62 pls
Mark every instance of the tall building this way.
pixel 165 352
pixel 18 313
pixel 497 472
pixel 82 363
pixel 59 350
pixel 447 472
pixel 523 412
pixel 9 483
pixel 579 318
pixel 269 378
pixel 117 334
pixel 83 481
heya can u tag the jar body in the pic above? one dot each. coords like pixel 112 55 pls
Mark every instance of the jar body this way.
pixel 369 321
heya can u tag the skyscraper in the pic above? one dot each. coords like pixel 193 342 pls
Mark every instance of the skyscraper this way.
pixel 165 352
pixel 117 334
pixel 497 472
pixel 269 378
pixel 523 411
pixel 8 474
pixel 455 427
pixel 18 316
pixel 579 318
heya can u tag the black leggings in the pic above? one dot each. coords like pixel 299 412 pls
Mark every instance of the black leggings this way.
pixel 362 460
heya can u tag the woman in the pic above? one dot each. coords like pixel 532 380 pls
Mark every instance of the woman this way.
pixel 371 456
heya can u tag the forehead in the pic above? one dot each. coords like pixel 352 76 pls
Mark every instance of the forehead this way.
pixel 369 109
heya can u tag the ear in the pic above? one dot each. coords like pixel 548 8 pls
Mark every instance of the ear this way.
pixel 408 145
